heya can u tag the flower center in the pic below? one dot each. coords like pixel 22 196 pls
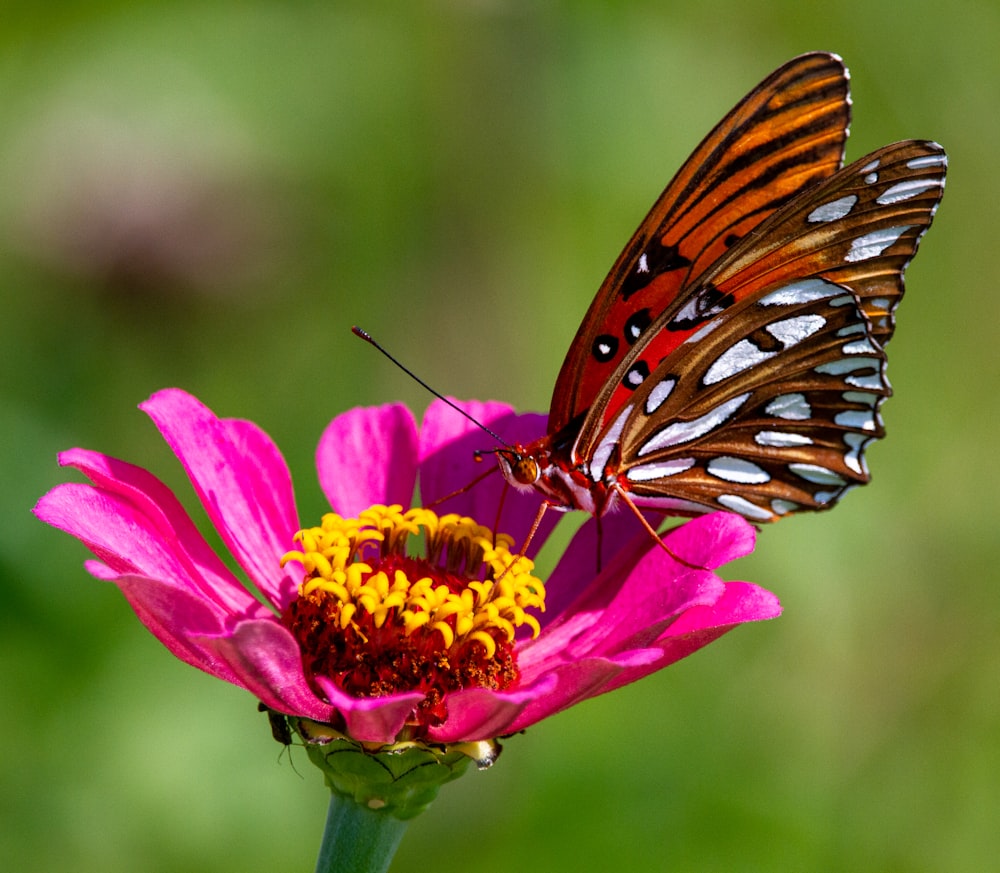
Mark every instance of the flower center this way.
pixel 377 620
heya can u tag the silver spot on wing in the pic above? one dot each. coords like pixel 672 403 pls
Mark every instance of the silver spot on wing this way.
pixel 659 470
pixel 905 190
pixel 685 431
pixel 659 394
pixel 806 291
pixel 738 471
pixel 834 210
pixel 816 474
pixel 744 507
pixel 791 407
pixel 606 446
pixel 871 245
pixel 781 440
pixel 737 358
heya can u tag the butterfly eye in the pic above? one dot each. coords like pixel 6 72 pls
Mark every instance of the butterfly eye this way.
pixel 517 468
pixel 525 471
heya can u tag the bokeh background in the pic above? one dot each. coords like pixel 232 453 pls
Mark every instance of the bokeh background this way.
pixel 208 195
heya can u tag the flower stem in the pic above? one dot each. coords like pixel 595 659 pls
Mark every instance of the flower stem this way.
pixel 357 839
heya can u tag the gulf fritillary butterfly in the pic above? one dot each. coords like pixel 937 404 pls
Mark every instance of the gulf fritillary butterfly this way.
pixel 733 358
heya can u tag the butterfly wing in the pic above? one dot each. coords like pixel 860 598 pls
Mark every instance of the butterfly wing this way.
pixel 767 407
pixel 783 137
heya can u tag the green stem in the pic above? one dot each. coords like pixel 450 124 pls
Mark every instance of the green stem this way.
pixel 358 839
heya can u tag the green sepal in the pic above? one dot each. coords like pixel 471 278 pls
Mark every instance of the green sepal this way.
pixel 400 780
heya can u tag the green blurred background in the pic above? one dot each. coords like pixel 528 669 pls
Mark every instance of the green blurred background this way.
pixel 209 195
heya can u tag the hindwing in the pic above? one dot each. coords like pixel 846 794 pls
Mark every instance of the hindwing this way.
pixel 768 402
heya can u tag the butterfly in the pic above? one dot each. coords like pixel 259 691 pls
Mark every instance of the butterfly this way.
pixel 734 357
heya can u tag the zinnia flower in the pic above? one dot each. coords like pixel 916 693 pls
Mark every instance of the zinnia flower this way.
pixel 346 624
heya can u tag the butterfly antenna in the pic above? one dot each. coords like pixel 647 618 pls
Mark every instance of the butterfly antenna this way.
pixel 367 337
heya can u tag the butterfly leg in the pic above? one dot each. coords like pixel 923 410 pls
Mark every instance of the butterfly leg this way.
pixel 527 540
pixel 623 494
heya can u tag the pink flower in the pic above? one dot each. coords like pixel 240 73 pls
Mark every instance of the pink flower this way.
pixel 599 631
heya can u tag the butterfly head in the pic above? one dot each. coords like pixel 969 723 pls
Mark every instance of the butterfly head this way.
pixel 519 467
pixel 539 467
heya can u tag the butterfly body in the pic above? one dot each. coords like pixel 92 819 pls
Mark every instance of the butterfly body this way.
pixel 734 356
pixel 565 483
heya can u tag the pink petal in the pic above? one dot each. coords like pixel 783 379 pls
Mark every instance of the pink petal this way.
pixel 581 679
pixel 176 618
pixel 448 445
pixel 478 714
pixel 577 681
pixel 645 608
pixel 616 533
pixel 635 619
pixel 268 662
pixel 100 571
pixel 241 480
pixel 368 456
pixel 373 719
pixel 709 541
pixel 741 602
pixel 131 543
pixel 170 547
pixel 641 586
pixel 669 651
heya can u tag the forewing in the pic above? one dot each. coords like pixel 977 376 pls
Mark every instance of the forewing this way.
pixel 783 137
